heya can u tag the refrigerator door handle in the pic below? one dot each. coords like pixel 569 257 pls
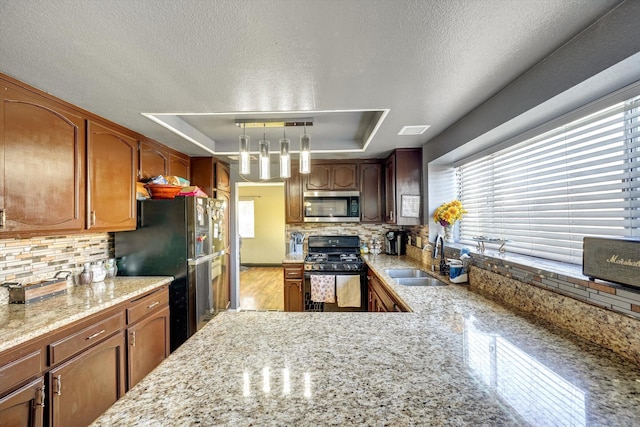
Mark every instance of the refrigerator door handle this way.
pixel 200 260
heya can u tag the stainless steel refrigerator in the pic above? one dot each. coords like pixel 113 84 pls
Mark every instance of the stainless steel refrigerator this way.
pixel 174 238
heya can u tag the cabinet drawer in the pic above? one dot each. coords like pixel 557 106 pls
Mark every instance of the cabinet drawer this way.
pixel 147 304
pixel 293 271
pixel 75 343
pixel 17 371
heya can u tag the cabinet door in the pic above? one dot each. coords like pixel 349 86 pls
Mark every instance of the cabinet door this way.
pixel 293 198
pixel 112 159
pixel 153 161
pixel 84 387
pixel 390 190
pixel 42 166
pixel 24 407
pixel 179 166
pixel 147 345
pixel 223 180
pixel 371 196
pixel 344 177
pixel 319 178
pixel 293 295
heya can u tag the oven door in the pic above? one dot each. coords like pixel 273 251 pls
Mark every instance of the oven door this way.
pixel 311 306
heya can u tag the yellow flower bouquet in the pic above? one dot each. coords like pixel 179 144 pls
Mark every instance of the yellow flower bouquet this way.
pixel 448 213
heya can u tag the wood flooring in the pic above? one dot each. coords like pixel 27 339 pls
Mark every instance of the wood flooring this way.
pixel 262 288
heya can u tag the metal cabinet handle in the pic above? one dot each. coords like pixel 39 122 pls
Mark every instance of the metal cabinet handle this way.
pixel 90 337
pixel 58 385
pixel 40 396
pixel 93 217
pixel 149 307
pixel 3 218
pixel 133 339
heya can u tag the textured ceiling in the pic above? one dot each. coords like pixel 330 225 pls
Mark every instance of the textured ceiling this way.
pixel 425 61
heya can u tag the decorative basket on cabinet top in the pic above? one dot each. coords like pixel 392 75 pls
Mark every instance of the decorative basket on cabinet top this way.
pixel 163 191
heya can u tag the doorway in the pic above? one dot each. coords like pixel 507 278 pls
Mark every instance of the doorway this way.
pixel 261 227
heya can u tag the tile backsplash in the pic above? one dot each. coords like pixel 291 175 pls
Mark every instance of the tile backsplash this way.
pixel 29 260
pixel 366 232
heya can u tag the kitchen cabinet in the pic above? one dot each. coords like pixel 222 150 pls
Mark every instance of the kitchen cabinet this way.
pixel 179 165
pixel 25 406
pixel 293 286
pixel 293 193
pixel 42 164
pixel 148 338
pixel 380 298
pixel 210 174
pixel 332 177
pixel 112 157
pixel 371 192
pixel 157 159
pixel 403 183
pixel 85 386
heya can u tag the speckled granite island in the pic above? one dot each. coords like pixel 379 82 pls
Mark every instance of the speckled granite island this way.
pixel 21 322
pixel 457 359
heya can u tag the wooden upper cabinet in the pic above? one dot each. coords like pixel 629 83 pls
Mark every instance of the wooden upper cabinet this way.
pixel 42 166
pixel 210 175
pixel 403 177
pixel 180 166
pixel 293 198
pixel 332 177
pixel 112 165
pixel 223 178
pixel 371 192
pixel 153 161
pixel 157 159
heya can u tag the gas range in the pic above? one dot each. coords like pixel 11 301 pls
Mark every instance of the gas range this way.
pixel 334 254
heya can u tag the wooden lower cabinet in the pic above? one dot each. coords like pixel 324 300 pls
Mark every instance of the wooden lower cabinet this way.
pixel 70 376
pixel 147 345
pixel 380 299
pixel 293 287
pixel 25 406
pixel 85 386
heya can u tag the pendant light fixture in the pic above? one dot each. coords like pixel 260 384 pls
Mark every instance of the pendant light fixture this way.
pixel 245 156
pixel 305 152
pixel 285 159
pixel 264 161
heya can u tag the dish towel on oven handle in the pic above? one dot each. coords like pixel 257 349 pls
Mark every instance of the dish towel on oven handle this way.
pixel 323 288
pixel 348 291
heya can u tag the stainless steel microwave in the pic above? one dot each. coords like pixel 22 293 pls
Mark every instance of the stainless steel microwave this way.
pixel 331 206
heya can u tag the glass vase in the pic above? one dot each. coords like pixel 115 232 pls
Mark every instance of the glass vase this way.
pixel 448 233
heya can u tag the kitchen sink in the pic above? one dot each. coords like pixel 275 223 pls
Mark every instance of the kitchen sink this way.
pixel 396 273
pixel 420 281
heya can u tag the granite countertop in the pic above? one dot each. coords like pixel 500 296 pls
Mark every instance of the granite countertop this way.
pixel 21 322
pixel 457 359
pixel 293 258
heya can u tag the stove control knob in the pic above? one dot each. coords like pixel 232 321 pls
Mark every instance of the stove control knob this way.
pixel 334 266
pixel 347 266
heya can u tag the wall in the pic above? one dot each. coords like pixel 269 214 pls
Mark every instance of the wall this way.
pixel 30 260
pixel 268 246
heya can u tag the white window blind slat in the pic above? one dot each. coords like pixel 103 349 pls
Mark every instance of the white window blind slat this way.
pixel 549 192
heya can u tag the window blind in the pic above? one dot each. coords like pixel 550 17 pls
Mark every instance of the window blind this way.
pixel 547 193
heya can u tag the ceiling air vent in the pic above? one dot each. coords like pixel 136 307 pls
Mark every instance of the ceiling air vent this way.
pixel 413 130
